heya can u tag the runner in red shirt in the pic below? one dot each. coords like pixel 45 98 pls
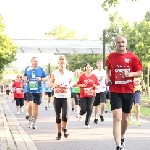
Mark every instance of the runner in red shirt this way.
pixel 18 93
pixel 122 67
pixel 88 82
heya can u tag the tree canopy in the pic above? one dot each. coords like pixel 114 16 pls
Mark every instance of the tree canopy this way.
pixel 111 3
pixel 7 48
pixel 78 61
pixel 75 61
pixel 136 34
pixel 61 32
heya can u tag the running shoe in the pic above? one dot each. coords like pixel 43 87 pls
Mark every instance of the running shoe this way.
pixel 122 143
pixel 96 121
pixel 130 121
pixel 30 123
pixel 119 148
pixel 102 118
pixel 137 123
pixel 87 126
pixel 33 125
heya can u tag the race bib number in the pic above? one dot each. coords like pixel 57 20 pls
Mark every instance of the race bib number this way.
pixel 60 90
pixel 136 82
pixel 89 91
pixel 18 90
pixel 119 79
pixel 33 75
pixel 33 85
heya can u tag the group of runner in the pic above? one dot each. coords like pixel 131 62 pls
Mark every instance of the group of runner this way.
pixel 89 88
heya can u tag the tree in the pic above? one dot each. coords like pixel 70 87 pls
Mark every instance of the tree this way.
pixel 61 32
pixel 52 68
pixel 7 48
pixel 75 61
pixel 137 35
pixel 147 16
pixel 78 61
pixel 141 40
pixel 111 3
pixel 117 26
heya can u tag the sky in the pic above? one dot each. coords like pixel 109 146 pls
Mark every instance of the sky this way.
pixel 30 19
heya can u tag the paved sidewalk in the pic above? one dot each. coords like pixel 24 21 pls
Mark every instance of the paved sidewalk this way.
pixel 6 139
pixel 13 136
pixel 99 137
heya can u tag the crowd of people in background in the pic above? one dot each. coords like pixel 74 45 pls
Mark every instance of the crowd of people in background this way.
pixel 85 91
pixel 7 88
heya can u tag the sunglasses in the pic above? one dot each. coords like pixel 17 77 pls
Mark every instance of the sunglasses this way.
pixel 19 77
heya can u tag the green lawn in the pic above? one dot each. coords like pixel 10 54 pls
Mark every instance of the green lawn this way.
pixel 144 110
pixel 145 98
pixel 145 101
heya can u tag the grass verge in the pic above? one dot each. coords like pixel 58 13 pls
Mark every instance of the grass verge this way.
pixel 144 110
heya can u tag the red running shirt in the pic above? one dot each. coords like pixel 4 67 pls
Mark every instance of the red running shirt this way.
pixel 89 90
pixel 18 90
pixel 120 62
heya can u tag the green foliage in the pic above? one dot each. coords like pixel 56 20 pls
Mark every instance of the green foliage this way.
pixel 137 36
pixel 7 48
pixel 52 68
pixel 61 32
pixel 78 61
pixel 117 26
pixel 9 71
pixel 110 3
pixel 75 61
pixel 147 16
pixel 141 40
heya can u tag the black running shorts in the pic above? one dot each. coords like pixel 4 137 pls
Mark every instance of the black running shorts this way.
pixel 121 100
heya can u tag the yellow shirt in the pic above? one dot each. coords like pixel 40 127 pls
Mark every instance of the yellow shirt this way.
pixel 137 84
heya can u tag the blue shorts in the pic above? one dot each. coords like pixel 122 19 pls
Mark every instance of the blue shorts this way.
pixel 137 97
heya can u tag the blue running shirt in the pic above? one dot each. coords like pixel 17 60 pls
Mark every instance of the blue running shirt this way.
pixel 46 86
pixel 25 86
pixel 34 86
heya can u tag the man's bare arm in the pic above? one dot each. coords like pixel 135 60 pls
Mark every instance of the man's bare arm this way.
pixel 52 80
pixel 25 79
pixel 107 74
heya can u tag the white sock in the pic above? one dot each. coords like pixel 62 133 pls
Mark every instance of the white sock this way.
pixel 122 137
pixel 119 145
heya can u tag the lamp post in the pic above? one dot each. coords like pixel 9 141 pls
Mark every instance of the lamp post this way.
pixel 49 68
pixel 104 47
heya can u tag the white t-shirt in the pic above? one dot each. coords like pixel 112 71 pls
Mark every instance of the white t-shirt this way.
pixel 10 87
pixel 62 80
pixel 101 75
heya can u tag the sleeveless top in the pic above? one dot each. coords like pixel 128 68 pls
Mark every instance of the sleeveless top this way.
pixel 63 81
pixel 137 84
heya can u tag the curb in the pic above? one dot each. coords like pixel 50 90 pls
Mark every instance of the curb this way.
pixel 6 139
pixel 143 117
pixel 21 139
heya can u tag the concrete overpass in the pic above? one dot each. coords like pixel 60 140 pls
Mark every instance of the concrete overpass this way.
pixel 60 46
